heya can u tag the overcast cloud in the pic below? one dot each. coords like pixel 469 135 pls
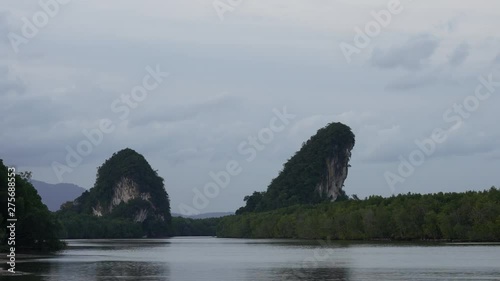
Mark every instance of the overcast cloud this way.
pixel 226 77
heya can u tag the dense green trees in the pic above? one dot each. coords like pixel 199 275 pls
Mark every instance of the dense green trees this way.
pixel 127 178
pixel 82 226
pixel 36 226
pixel 469 216
pixel 298 181
pixel 194 227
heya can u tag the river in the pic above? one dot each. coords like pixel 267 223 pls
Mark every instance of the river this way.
pixel 206 258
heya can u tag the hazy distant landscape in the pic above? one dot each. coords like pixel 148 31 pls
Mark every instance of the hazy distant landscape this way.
pixel 54 195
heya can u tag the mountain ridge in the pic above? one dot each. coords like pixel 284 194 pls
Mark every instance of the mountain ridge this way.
pixel 54 195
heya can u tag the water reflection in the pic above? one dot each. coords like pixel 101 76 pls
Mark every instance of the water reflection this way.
pixel 90 271
pixel 28 272
pixel 22 277
pixel 187 259
pixel 314 274
pixel 132 270
pixel 119 244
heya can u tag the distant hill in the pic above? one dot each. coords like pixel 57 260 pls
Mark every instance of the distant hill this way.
pixel 205 215
pixel 127 194
pixel 54 195
pixel 314 174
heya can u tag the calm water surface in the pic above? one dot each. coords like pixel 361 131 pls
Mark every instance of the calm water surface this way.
pixel 240 259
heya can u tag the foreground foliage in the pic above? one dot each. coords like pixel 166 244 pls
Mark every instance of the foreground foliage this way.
pixel 36 228
pixel 469 216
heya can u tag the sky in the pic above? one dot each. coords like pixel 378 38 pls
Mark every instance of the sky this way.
pixel 190 84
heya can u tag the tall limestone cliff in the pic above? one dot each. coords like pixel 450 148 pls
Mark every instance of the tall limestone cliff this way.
pixel 314 174
pixel 127 188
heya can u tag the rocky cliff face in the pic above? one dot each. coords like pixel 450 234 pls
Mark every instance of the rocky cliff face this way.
pixel 124 191
pixel 315 173
pixel 335 175
pixel 127 188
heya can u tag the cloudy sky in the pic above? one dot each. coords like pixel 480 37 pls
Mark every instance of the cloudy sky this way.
pixel 230 64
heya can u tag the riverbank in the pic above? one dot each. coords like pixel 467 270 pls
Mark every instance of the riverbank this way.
pixel 459 217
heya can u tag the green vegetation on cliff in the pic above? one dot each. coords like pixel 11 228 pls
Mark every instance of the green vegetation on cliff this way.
pixel 128 200
pixel 36 227
pixel 469 216
pixel 315 173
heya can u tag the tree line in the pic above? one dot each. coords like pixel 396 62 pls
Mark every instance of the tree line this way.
pixel 468 216
pixel 85 226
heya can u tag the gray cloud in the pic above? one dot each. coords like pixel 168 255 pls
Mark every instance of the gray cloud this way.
pixel 454 146
pixel 452 24
pixel 10 82
pixel 435 75
pixel 496 60
pixel 412 55
pixel 459 55
pixel 176 113
pixel 412 82
pixel 5 26
pixel 65 79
